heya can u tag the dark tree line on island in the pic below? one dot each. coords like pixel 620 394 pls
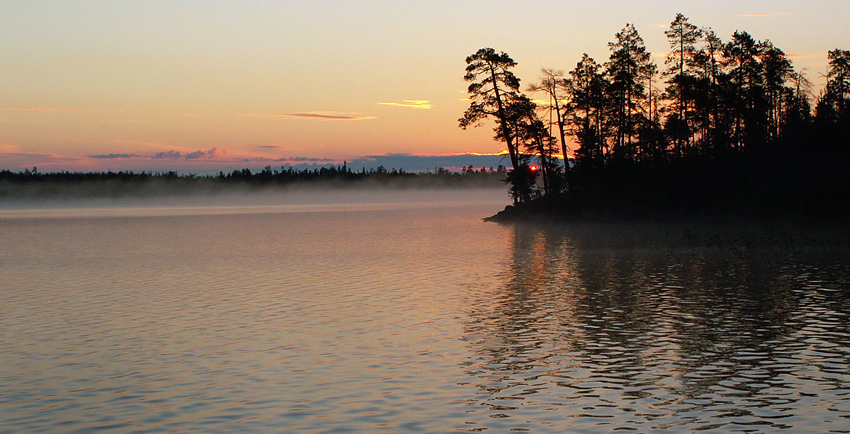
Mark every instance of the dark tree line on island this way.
pixel 732 129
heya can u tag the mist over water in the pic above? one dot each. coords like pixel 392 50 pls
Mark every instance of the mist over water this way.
pixel 403 312
pixel 244 200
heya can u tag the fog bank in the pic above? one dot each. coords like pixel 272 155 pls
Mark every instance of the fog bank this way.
pixel 245 200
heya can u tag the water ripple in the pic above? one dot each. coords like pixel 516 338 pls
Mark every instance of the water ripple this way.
pixel 409 320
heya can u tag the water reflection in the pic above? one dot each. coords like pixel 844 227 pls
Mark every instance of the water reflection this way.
pixel 609 327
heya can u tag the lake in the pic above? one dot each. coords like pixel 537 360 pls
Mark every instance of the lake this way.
pixel 407 313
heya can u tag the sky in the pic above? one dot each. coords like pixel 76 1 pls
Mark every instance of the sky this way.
pixel 199 86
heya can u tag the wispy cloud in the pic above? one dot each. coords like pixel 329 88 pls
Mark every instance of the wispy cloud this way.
pixel 322 115
pixel 411 103
pixel 177 155
pixel 763 14
pixel 47 109
pixel 172 155
pixel 115 156
pixel 168 155
pixel 270 148
pixel 212 155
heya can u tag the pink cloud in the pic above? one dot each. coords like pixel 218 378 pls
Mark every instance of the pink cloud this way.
pixel 323 115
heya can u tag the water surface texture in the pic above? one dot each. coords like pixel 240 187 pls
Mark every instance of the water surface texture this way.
pixel 412 317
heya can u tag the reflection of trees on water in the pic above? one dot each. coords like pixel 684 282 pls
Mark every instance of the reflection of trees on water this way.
pixel 609 325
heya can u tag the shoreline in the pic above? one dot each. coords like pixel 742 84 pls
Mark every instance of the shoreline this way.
pixel 563 210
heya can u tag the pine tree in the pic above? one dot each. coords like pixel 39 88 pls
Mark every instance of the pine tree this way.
pixel 496 87
pixel 682 82
pixel 627 67
pixel 585 115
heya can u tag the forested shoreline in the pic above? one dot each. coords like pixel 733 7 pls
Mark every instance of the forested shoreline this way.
pixel 723 128
pixel 30 184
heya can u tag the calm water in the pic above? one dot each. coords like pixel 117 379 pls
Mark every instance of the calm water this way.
pixel 413 317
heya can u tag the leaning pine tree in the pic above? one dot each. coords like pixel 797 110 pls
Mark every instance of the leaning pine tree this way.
pixel 493 87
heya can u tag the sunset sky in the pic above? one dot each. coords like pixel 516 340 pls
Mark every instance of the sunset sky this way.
pixel 209 85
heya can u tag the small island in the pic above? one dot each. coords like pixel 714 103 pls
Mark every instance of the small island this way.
pixel 724 129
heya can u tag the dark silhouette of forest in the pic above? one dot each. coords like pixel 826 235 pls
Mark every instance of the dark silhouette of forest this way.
pixel 32 183
pixel 722 128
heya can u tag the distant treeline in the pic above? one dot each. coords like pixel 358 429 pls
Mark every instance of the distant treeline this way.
pixel 32 183
pixel 724 127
